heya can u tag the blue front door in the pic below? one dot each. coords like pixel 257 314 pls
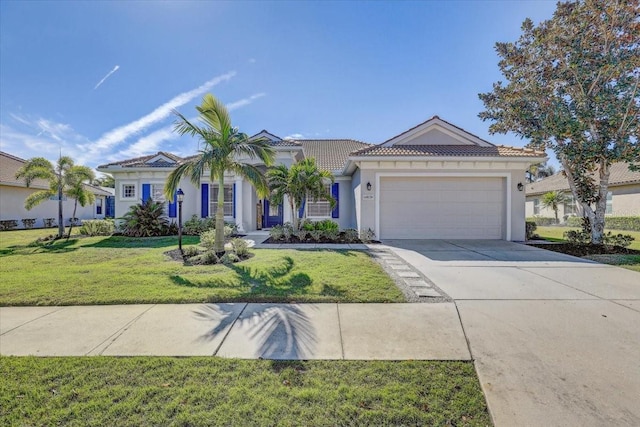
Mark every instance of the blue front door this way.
pixel 272 214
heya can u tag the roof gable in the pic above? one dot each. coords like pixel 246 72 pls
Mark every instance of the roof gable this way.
pixel 330 154
pixel 274 140
pixel 436 131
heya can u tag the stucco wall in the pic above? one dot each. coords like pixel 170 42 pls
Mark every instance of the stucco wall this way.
pixel 12 207
pixel 371 172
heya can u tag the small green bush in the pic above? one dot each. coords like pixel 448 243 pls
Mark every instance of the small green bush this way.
pixel 530 229
pixel 577 237
pixel 630 223
pixel 205 258
pixel 28 223
pixel 240 247
pixel 287 231
pixel 229 258
pixel 622 240
pixel 351 235
pixel 542 221
pixel 208 239
pixel 316 235
pixel 146 219
pixel 327 225
pixel 276 232
pixel 194 226
pixel 190 251
pixel 98 227
pixel 301 234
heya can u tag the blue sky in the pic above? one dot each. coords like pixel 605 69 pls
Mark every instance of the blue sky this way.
pixel 98 80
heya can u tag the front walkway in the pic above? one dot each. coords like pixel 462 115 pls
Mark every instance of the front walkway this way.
pixel 270 331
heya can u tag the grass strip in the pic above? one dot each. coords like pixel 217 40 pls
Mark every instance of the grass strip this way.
pixel 159 391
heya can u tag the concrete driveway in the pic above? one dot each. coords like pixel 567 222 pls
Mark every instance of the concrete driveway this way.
pixel 555 339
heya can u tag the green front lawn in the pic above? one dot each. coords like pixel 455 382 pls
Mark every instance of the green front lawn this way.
pixel 630 262
pixel 122 270
pixel 210 391
pixel 555 234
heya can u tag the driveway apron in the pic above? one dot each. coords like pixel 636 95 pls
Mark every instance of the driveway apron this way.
pixel 555 339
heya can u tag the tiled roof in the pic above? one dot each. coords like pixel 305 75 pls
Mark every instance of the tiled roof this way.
pixel 142 161
pixel 445 151
pixel 620 175
pixel 285 143
pixel 10 164
pixel 330 154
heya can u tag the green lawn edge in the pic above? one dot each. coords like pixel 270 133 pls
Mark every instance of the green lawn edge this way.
pixel 204 391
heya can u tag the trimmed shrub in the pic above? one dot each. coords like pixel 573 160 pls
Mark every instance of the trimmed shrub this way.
pixel 276 232
pixel 229 258
pixel 351 235
pixel 301 234
pixel 631 223
pixel 327 225
pixel 49 222
pixel 240 247
pixel 542 221
pixel 205 258
pixel 190 251
pixel 316 235
pixel 619 239
pixel 194 225
pixel 367 236
pixel 530 229
pixel 208 239
pixel 8 224
pixel 28 222
pixel 98 227
pixel 331 235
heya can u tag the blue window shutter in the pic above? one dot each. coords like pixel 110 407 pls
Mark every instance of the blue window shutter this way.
pixel 204 211
pixel 146 192
pixel 301 210
pixel 234 199
pixel 172 206
pixel 335 192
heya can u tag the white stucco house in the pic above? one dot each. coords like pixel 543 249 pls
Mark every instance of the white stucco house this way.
pixel 433 181
pixel 13 193
pixel 623 198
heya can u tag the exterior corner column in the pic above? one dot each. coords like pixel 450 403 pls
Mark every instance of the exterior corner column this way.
pixel 239 205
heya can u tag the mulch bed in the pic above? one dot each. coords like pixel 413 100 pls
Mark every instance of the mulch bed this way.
pixel 585 250
pixel 294 241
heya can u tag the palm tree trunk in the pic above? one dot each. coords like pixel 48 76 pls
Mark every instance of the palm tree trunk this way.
pixel 75 207
pixel 294 212
pixel 60 218
pixel 218 245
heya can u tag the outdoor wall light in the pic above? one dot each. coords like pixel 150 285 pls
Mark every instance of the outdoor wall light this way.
pixel 368 186
pixel 180 197
pixel 520 186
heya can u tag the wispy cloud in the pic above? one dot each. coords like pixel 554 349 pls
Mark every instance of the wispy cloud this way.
pixel 42 137
pixel 116 68
pixel 294 136
pixel 122 133
pixel 245 101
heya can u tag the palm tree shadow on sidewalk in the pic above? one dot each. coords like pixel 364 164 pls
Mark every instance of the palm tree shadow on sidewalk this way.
pixel 275 331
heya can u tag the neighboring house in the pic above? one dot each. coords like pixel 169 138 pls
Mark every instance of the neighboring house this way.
pixel 13 193
pixel 623 198
pixel 433 181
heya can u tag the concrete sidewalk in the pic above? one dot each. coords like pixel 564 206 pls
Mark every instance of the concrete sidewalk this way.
pixel 270 331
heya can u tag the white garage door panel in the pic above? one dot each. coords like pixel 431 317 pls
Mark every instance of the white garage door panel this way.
pixel 442 208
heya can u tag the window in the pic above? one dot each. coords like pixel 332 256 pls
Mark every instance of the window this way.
pixel 128 191
pixel 157 193
pixel 98 206
pixel 228 200
pixel 320 208
pixel 570 206
pixel 536 206
pixel 609 209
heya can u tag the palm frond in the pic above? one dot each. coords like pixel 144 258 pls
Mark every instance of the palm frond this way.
pixel 38 197
pixel 254 175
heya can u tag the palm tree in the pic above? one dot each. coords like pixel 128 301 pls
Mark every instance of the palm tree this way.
pixel 302 181
pixel 553 200
pixel 222 144
pixel 61 178
pixel 76 189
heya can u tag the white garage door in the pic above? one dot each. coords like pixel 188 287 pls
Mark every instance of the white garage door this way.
pixel 442 208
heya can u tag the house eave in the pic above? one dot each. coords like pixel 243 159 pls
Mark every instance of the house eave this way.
pixel 528 160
